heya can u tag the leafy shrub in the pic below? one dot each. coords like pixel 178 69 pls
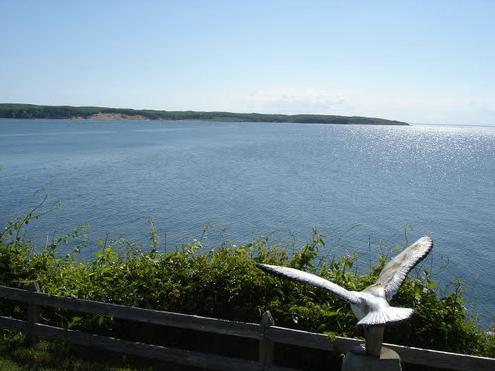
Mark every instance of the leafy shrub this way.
pixel 225 283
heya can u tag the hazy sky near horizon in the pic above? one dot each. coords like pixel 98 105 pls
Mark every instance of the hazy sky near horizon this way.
pixel 416 61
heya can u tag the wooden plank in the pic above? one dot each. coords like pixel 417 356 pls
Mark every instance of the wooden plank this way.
pixel 437 358
pixel 310 340
pixel 178 356
pixel 198 323
pixel 418 356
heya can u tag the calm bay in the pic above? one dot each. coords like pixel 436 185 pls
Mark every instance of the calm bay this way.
pixel 367 188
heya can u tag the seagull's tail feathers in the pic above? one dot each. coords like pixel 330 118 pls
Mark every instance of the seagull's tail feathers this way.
pixel 381 317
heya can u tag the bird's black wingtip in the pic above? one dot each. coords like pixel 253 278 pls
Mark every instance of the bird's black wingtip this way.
pixel 263 267
pixel 270 269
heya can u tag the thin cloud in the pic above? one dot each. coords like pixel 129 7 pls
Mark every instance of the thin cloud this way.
pixel 296 102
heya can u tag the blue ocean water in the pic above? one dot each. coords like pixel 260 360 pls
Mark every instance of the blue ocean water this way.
pixel 360 185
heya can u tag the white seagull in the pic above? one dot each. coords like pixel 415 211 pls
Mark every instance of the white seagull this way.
pixel 370 306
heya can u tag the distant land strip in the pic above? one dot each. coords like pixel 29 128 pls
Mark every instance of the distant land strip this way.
pixel 31 111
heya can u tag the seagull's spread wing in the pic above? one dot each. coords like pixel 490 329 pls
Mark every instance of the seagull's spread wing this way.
pixel 311 279
pixel 396 270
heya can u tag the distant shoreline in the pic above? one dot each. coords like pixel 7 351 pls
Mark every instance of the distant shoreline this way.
pixel 30 111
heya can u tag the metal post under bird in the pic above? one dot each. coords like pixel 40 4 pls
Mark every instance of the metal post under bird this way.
pixel 371 305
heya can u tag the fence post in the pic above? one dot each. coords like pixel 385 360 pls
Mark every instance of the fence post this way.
pixel 373 357
pixel 33 311
pixel 374 340
pixel 265 345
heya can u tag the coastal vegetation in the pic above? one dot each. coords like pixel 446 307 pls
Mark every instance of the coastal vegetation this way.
pixel 224 282
pixel 30 111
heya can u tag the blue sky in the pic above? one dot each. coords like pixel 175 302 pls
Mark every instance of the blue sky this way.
pixel 417 61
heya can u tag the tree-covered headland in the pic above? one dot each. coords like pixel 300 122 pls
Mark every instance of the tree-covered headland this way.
pixel 30 111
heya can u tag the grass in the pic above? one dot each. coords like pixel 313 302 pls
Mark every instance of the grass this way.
pixel 17 354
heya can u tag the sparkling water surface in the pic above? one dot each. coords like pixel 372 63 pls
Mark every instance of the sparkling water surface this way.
pixel 359 185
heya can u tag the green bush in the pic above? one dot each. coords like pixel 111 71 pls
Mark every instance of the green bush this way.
pixel 224 282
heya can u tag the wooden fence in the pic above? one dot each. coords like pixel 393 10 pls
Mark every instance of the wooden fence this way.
pixel 266 333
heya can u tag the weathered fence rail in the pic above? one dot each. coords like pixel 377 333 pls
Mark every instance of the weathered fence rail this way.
pixel 266 333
